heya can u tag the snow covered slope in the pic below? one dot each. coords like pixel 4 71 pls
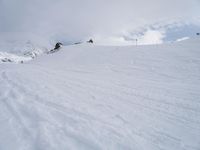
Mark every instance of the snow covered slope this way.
pixel 18 47
pixel 91 97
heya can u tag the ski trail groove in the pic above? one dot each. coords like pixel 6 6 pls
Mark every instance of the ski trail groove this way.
pixel 11 100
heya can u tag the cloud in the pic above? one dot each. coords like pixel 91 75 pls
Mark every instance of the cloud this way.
pixel 78 19
pixel 152 37
pixel 147 38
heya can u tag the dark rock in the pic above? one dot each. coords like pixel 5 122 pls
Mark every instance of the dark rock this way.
pixel 77 43
pixel 90 41
pixel 6 60
pixel 58 45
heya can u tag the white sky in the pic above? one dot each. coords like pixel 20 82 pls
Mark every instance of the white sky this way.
pixel 81 19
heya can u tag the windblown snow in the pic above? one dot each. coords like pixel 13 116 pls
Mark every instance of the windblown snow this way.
pixel 91 97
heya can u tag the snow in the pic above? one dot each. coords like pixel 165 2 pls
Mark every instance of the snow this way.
pixel 6 57
pixel 103 97
pixel 182 39
pixel 18 47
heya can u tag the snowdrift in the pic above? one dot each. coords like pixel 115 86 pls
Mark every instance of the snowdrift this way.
pixel 100 97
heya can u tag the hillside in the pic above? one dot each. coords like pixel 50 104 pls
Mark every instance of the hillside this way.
pixel 91 97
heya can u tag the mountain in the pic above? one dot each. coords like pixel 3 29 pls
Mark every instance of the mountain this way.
pixel 103 97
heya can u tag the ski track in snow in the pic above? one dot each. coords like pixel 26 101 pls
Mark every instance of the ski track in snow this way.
pixel 84 101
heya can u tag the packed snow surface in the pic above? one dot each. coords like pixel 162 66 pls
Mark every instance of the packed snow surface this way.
pixel 91 97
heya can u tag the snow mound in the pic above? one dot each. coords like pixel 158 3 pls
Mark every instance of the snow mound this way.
pixel 91 97
pixel 8 57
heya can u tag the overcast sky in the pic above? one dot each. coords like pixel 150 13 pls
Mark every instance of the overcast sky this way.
pixel 104 20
